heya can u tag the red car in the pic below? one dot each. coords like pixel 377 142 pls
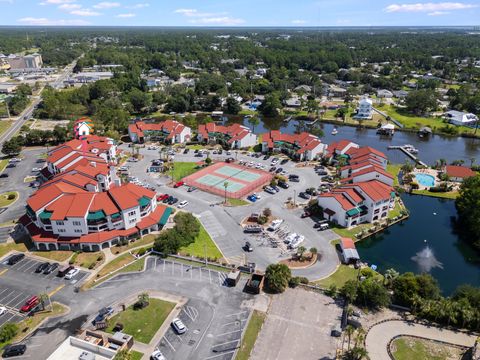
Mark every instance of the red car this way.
pixel 30 304
pixel 162 197
pixel 178 184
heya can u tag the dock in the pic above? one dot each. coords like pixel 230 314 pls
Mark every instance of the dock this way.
pixel 408 153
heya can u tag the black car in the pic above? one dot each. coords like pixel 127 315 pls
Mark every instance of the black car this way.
pixel 266 157
pixel 294 179
pixel 3 175
pixel 304 195
pixel 273 168
pixel 14 350
pixel 279 170
pixel 11 165
pixel 172 201
pixel 186 151
pixel 41 268
pixel 168 199
pixel 196 151
pixel 12 260
pixel 283 185
pixel 284 161
pixel 50 268
pixel 248 247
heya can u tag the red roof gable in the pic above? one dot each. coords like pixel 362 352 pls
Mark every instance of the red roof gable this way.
pixel 459 171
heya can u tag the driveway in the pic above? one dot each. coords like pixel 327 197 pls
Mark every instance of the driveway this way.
pixel 379 336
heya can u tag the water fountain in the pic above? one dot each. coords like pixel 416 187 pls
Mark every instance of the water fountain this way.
pixel 426 260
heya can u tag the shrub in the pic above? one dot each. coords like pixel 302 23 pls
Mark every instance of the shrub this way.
pixel 141 251
pixel 8 332
pixel 277 277
pixel 91 266
pixel 11 196
pixel 332 290
pixel 294 282
pixel 262 220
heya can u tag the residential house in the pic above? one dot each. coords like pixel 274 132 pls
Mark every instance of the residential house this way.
pixel 461 118
pixel 235 136
pixel 364 109
pixel 302 147
pixel 384 94
pixel 337 91
pixel 168 131
pixel 458 173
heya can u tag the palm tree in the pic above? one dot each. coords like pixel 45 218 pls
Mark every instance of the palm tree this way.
pixel 349 330
pixel 225 185
pixel 254 121
pixel 313 252
pixel 390 275
pixel 300 251
pixel 43 299
pixel 472 161
pixel 144 297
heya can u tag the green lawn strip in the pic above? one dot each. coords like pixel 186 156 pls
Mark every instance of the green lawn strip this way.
pixel 237 202
pixel 350 233
pixel 409 120
pixel 203 245
pixel 182 169
pixel 28 179
pixel 339 277
pixel 195 147
pixel 5 125
pixel 146 240
pixel 408 348
pixel 11 246
pixel 5 201
pixel 443 195
pixel 395 211
pixel 251 333
pixel 90 260
pixel 116 264
pixel 3 164
pixel 135 266
pixel 198 264
pixel 394 169
pixel 57 255
pixel 135 355
pixel 142 324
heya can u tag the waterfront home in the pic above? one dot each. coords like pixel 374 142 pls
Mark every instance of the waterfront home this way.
pixel 400 94
pixel 168 131
pixel 352 204
pixel 384 94
pixel 349 251
pixel 364 109
pixel 337 91
pixel 302 147
pixel 460 118
pixel 235 136
pixel 458 173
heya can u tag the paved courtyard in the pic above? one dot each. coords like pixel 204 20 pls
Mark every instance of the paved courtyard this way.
pixel 298 326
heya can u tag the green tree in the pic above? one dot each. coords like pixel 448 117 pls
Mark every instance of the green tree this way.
pixel 468 211
pixel 349 290
pixel 277 277
pixel 301 251
pixel 139 99
pixel 123 355
pixel 232 106
pixel 270 106
pixel 421 101
pixel 8 332
pixel 372 294
pixel 11 147
pixel 254 121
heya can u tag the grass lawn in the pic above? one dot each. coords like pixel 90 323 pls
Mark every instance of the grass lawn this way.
pixel 182 169
pixel 409 120
pixel 58 255
pixel 144 323
pixel 237 202
pixel 90 260
pixel 339 277
pixel 4 201
pixel 195 147
pixel 443 195
pixel 396 210
pixel 394 169
pixel 406 348
pixel 146 240
pixel 136 266
pixel 135 355
pixel 251 334
pixel 3 164
pixel 28 179
pixel 5 125
pixel 197 248
pixel 116 264
pixel 5 248
pixel 350 233
pixel 195 263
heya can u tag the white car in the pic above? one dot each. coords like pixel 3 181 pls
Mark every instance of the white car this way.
pixel 35 169
pixel 3 310
pixel 157 355
pixel 182 204
pixel 71 274
pixel 179 326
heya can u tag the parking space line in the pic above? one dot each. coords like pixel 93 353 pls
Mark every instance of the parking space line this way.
pixel 234 322
pixel 3 271
pixel 3 291
pixel 242 312
pixel 30 267
pixel 23 264
pixel 9 301
pixel 169 343
pixel 230 332
pixel 228 342
pixel 224 353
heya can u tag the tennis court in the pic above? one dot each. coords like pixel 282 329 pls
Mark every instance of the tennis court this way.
pixel 239 180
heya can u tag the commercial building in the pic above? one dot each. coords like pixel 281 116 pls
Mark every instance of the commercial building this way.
pixel 33 61
pixel 168 131
pixel 302 147
pixel 235 136
pixel 81 205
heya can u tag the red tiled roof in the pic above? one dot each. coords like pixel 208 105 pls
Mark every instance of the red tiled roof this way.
pixel 459 171
pixel 374 189
pixel 127 196
pixel 305 141
pixel 367 170
pixel 152 219
pixel 102 201
pixel 365 150
pixel 340 198
pixel 347 243
pixel 171 127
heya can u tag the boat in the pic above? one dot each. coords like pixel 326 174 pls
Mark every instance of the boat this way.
pixel 334 131
pixel 410 148
pixel 287 119
pixel 386 129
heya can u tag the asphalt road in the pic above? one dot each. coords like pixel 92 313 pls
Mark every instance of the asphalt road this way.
pixel 223 223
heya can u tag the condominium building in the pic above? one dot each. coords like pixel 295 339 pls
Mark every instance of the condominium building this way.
pixel 235 136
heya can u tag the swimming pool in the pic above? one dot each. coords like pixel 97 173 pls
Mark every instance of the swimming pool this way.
pixel 425 180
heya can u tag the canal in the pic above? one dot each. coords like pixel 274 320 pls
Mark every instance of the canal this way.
pixel 425 243
pixel 430 150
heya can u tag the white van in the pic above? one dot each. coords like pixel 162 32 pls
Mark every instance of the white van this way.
pixel 323 226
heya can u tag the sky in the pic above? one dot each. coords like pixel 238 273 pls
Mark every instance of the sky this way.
pixel 240 12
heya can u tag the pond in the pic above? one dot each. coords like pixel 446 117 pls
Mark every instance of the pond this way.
pixel 425 243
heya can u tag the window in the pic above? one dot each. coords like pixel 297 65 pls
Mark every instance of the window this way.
pixel 78 230
pixel 77 223
pixel 132 221
pixel 60 223
pixel 131 213
pixel 61 230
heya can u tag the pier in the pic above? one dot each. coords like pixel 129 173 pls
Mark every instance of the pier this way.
pixel 408 153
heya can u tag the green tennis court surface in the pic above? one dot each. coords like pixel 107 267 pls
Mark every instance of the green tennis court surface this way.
pixel 231 187
pixel 247 176
pixel 210 180
pixel 228 170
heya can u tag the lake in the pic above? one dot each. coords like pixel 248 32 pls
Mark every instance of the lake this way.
pixel 425 242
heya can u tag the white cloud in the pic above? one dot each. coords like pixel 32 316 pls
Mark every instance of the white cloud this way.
pixel 50 22
pixel 438 13
pixel 85 12
pixel 299 22
pixel 128 15
pixel 70 7
pixel 56 2
pixel 343 21
pixel 429 7
pixel 223 20
pixel 196 13
pixel 107 5
pixel 138 6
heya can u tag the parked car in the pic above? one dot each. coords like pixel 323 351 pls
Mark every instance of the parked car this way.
pixel 311 191
pixel 275 187
pixel 272 169
pixel 252 198
pixel 4 175
pixel 274 161
pixel 64 270
pixel 294 179
pixel 12 260
pixel 167 199
pixel 41 268
pixel 71 274
pixel 178 184
pixel 182 204
pixel 157 355
pixel 174 200
pixel 252 229
pixel 248 247
pixel 50 268
pixel 102 314
pixel 191 188
pixel 266 157
pixel 283 185
pixel 279 170
pixel 11 165
pixel 14 350
pixel 179 326
pixel 30 304
pixel 3 310
pixel 304 195
pixel 284 161
pixel 269 190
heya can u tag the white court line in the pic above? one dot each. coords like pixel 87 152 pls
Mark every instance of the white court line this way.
pixel 230 332
pixel 224 353
pixel 169 343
